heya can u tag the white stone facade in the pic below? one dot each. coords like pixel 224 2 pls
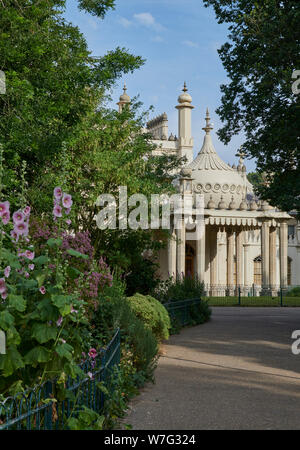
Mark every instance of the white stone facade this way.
pixel 246 242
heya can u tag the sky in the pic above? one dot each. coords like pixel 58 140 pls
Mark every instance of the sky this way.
pixel 179 40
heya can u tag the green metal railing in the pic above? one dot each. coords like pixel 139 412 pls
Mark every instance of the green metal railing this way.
pixel 181 310
pixel 34 409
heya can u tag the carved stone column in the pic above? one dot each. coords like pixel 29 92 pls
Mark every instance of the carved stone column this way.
pixel 239 258
pixel 180 254
pixel 283 254
pixel 213 261
pixel 273 234
pixel 246 265
pixel 265 257
pixel 230 261
pixel 200 256
pixel 172 256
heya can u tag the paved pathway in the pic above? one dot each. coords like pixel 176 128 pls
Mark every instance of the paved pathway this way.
pixel 235 372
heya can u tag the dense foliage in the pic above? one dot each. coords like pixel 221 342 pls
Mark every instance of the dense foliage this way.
pixel 152 313
pixel 260 57
pixel 183 288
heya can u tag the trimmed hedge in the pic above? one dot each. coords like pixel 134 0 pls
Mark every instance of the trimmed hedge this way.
pixel 152 313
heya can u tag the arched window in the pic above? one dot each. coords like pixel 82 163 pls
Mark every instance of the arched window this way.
pixel 257 279
pixel 289 271
pixel 189 260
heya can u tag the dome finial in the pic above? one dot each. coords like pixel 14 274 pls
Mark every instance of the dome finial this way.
pixel 208 126
pixel 184 87
pixel 124 88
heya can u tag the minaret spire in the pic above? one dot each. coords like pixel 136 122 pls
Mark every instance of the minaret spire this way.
pixel 208 126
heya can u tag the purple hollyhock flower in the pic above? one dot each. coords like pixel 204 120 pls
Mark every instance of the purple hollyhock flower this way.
pixel 21 229
pixel 90 375
pixel 92 353
pixel 30 266
pixel 4 208
pixel 57 211
pixel 67 201
pixel 26 275
pixel 68 222
pixel 59 321
pixel 26 211
pixel 5 217
pixel 29 254
pixel 57 193
pixel 42 290
pixel 7 271
pixel 18 217
pixel 4 295
pixel 2 285
pixel 67 211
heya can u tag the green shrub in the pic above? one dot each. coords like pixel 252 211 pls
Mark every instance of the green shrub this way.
pixel 295 292
pixel 152 313
pixel 115 311
pixel 183 288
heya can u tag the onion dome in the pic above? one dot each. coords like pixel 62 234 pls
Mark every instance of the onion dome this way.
pixel 211 204
pixel 185 97
pixel 222 204
pixel 232 204
pixel 124 98
pixel 212 176
pixel 265 206
pixel 171 138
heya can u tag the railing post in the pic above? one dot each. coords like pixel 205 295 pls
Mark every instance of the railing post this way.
pixel 48 410
pixel 239 291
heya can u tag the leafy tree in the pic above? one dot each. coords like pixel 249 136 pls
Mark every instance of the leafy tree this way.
pixel 52 81
pixel 260 57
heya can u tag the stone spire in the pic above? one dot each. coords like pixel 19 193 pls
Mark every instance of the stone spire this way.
pixel 208 126
pixel 185 139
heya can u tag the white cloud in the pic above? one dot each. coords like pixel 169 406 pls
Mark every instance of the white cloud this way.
pixel 124 22
pixel 93 23
pixel 157 39
pixel 147 20
pixel 190 44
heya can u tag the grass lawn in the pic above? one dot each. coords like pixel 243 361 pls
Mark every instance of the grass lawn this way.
pixel 252 301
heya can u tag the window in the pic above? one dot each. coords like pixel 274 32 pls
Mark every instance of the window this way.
pixel 291 230
pixel 289 271
pixel 257 271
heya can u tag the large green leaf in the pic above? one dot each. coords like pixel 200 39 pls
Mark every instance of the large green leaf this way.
pixel 52 242
pixel 17 302
pixel 11 362
pixel 40 260
pixel 43 332
pixel 63 303
pixel 64 351
pixel 73 252
pixel 6 320
pixel 38 355
pixel 11 258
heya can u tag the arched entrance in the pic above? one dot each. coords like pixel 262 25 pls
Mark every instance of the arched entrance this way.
pixel 189 261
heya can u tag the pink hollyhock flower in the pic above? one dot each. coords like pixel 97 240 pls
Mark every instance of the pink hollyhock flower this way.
pixel 30 266
pixel 67 201
pixel 14 235
pixel 57 211
pixel 26 211
pixel 21 229
pixel 7 271
pixel 59 321
pixel 29 254
pixel 4 208
pixel 90 375
pixel 92 353
pixel 2 285
pixel 4 295
pixel 67 211
pixel 5 217
pixel 57 193
pixel 74 310
pixel 42 290
pixel 18 217
pixel 26 275
pixel 68 222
